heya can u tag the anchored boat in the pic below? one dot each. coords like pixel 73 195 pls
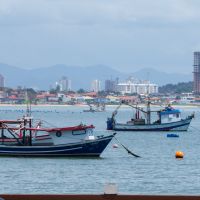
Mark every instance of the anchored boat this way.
pixel 25 140
pixel 96 108
pixel 169 119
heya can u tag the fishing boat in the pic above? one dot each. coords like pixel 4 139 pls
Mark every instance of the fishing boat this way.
pixel 27 140
pixel 96 108
pixel 168 119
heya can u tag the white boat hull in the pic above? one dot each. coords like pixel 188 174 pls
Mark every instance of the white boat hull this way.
pixel 174 126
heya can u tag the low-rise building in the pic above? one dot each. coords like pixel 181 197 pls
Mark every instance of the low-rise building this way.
pixel 129 99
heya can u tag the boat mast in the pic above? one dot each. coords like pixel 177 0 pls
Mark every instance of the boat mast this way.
pixel 28 117
pixel 148 107
pixel 148 112
pixel 2 134
pixel 28 105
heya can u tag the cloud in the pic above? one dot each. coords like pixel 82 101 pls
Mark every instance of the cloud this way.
pixel 94 12
pixel 115 32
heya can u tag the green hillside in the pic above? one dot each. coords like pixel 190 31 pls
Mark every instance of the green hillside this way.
pixel 178 88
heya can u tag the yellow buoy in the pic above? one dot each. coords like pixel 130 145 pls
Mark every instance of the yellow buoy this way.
pixel 179 154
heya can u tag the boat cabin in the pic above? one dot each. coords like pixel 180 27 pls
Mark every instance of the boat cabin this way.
pixel 71 134
pixel 169 115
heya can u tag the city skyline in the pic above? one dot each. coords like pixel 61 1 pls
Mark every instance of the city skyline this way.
pixel 81 77
pixel 125 35
pixel 129 85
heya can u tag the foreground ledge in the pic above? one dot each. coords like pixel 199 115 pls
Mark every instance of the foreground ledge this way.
pixel 95 197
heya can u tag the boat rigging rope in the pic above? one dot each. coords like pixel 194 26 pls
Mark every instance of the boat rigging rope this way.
pixel 11 132
pixel 129 151
pixel 195 128
pixel 50 124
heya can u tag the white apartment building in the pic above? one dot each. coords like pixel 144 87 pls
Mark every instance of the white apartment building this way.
pixel 142 87
pixel 95 86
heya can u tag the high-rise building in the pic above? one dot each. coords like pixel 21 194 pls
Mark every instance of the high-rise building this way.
pixel 109 85
pixel 95 86
pixel 196 72
pixel 64 84
pixel 1 81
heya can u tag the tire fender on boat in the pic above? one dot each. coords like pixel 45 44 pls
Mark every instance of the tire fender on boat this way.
pixel 58 133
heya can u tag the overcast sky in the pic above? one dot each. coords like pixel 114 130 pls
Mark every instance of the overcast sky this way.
pixel 125 34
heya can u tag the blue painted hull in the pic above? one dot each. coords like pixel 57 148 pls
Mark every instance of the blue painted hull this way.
pixel 86 148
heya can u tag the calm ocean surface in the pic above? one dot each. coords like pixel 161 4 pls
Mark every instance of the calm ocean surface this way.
pixel 156 172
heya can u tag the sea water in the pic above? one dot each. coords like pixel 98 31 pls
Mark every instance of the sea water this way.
pixel 156 172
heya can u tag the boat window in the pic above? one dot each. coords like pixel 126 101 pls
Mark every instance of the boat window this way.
pixel 177 115
pixel 82 132
pixel 90 132
pixel 170 116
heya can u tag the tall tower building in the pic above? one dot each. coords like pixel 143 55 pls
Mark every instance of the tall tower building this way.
pixel 196 72
pixel 109 85
pixel 95 86
pixel 1 81
pixel 65 84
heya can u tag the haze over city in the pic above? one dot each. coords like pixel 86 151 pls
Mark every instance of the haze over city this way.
pixel 125 35
pixel 99 99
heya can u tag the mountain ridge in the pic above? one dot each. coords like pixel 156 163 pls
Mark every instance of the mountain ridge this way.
pixel 81 77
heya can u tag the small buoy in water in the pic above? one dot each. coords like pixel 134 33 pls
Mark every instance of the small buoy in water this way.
pixel 115 146
pixel 172 135
pixel 179 154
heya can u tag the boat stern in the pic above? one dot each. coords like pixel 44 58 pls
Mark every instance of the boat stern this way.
pixel 110 122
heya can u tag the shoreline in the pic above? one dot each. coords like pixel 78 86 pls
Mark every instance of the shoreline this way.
pixel 83 105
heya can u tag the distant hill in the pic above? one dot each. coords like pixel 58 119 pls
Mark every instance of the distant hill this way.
pixel 42 78
pixel 183 87
pixel 162 78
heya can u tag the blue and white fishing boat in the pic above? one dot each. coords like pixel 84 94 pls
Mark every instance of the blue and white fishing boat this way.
pixel 25 140
pixel 169 119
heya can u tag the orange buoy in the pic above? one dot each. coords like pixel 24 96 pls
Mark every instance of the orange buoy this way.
pixel 179 154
